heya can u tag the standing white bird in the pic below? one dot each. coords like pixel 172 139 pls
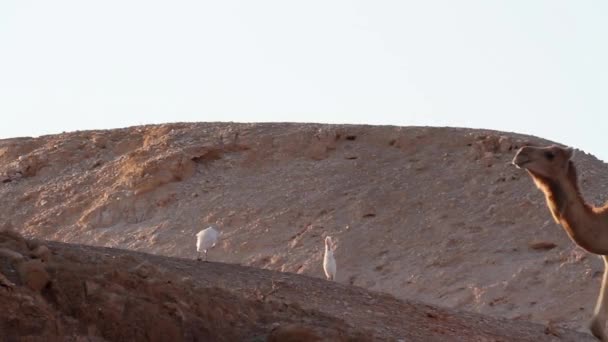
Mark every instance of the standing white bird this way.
pixel 329 262
pixel 205 240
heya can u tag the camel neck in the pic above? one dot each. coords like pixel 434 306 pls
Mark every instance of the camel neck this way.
pixel 582 222
pixel 570 210
pixel 564 196
pixel 560 193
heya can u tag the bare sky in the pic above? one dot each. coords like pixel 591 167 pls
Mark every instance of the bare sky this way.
pixel 530 66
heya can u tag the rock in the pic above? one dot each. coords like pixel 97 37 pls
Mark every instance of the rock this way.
pixel 91 288
pixel 28 166
pixel 10 254
pixel 13 241
pixel 4 282
pixel 41 252
pixel 100 141
pixel 33 274
pixel 317 151
pixel 505 144
pixel 144 270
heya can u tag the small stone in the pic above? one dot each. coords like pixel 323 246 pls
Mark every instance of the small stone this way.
pixel 33 274
pixel 504 144
pixel 144 270
pixel 90 288
pixel 10 254
pixel 42 252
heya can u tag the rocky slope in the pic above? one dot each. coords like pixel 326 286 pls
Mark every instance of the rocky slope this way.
pixel 81 293
pixel 433 214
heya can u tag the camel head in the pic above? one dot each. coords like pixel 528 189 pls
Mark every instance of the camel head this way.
pixel 549 162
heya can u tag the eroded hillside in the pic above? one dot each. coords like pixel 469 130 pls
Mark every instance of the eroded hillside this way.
pixel 435 214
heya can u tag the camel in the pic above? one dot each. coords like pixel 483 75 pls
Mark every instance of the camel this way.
pixel 554 174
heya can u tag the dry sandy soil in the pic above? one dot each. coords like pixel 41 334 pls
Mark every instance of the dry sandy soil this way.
pixel 435 215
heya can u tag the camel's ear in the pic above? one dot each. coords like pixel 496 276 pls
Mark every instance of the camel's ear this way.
pixel 569 152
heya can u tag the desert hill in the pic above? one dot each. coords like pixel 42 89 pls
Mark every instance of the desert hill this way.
pixel 433 214
pixel 85 293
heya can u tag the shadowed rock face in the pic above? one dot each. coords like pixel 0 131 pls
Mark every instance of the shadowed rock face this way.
pixel 104 294
pixel 434 214
pixel 118 297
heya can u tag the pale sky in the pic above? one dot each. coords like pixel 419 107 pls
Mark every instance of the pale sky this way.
pixel 536 67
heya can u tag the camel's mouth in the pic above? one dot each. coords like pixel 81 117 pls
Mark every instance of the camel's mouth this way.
pixel 520 161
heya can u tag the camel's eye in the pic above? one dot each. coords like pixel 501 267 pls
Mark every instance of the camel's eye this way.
pixel 549 155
